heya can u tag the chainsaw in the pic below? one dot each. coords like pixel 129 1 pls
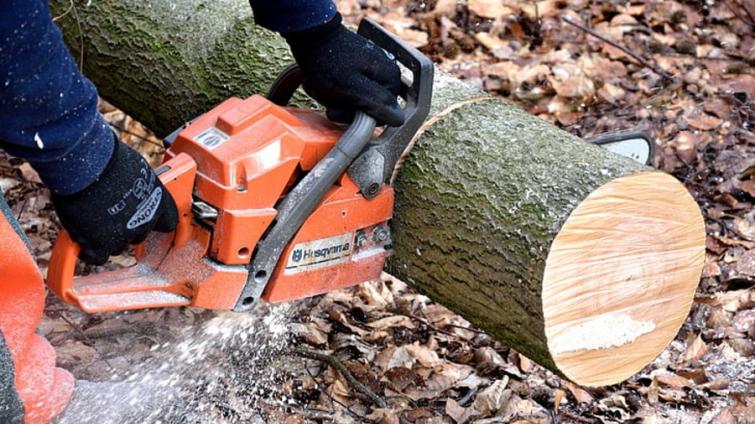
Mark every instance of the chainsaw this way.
pixel 275 203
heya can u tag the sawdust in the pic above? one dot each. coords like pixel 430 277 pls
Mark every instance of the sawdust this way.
pixel 218 372
pixel 601 332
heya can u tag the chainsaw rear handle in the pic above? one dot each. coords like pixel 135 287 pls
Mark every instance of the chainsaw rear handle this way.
pixel 177 176
pixel 376 163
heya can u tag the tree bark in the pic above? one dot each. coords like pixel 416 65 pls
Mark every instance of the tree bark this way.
pixel 481 198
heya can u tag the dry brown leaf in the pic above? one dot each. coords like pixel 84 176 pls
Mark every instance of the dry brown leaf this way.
pixel 29 173
pixel 744 228
pixel 383 416
pixel 375 293
pixel 457 412
pixel 569 81
pixel 391 322
pixel 486 403
pixel 673 381
pixel 517 407
pixel 611 93
pixel 702 121
pixel 442 378
pixel 746 263
pixel 445 7
pixel 559 396
pixel 743 83
pixel 73 351
pixel 492 398
pixel 623 19
pixel 616 404
pixel 531 82
pixel 489 8
pixel 741 412
pixel 580 395
pixel 487 359
pixel 696 350
pixel 711 268
pixel 401 378
pixel 489 41
pixel 524 363
pixel 414 38
pixel 744 320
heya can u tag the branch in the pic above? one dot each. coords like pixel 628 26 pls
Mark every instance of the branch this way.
pixel 338 366
pixel 653 67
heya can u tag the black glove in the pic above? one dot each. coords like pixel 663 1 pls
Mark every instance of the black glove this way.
pixel 121 207
pixel 346 72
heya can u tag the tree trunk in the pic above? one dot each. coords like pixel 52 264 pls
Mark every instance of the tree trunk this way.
pixel 584 261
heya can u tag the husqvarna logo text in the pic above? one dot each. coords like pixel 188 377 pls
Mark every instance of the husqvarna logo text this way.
pixel 319 253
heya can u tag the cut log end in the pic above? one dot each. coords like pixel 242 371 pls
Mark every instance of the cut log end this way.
pixel 620 277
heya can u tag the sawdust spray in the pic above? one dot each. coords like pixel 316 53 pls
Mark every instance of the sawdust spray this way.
pixel 226 370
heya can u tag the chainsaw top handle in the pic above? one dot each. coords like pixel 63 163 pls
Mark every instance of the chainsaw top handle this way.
pixel 376 163
pixel 370 162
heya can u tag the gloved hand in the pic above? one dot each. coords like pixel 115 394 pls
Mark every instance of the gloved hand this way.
pixel 121 207
pixel 346 72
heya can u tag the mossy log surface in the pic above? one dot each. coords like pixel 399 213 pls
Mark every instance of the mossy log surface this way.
pixel 480 197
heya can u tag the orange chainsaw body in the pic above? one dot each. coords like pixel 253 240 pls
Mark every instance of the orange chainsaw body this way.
pixel 227 171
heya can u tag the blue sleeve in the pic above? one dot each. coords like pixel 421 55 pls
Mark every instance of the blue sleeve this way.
pixel 48 110
pixel 292 15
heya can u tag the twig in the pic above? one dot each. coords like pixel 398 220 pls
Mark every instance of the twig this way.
pixel 432 327
pixel 343 405
pixel 140 137
pixel 747 11
pixel 78 329
pixel 750 22
pixel 312 413
pixel 576 417
pixel 338 366
pixel 635 56
pixel 81 37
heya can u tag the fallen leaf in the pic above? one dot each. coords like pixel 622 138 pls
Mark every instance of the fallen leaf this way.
pixel 457 412
pixel 442 378
pixel 492 398
pixel 524 363
pixel 445 7
pixel 580 395
pixel 29 173
pixel 696 350
pixel 489 41
pixel 746 263
pixel 744 228
pixel 611 93
pixel 391 322
pixel 702 121
pixel 615 404
pixel 489 8
pixel 673 381
pixel 383 416
pixel 401 378
pixel 558 396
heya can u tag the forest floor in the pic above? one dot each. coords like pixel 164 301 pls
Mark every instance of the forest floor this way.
pixel 380 352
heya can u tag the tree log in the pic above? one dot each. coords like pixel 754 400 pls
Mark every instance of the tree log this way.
pixel 584 261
